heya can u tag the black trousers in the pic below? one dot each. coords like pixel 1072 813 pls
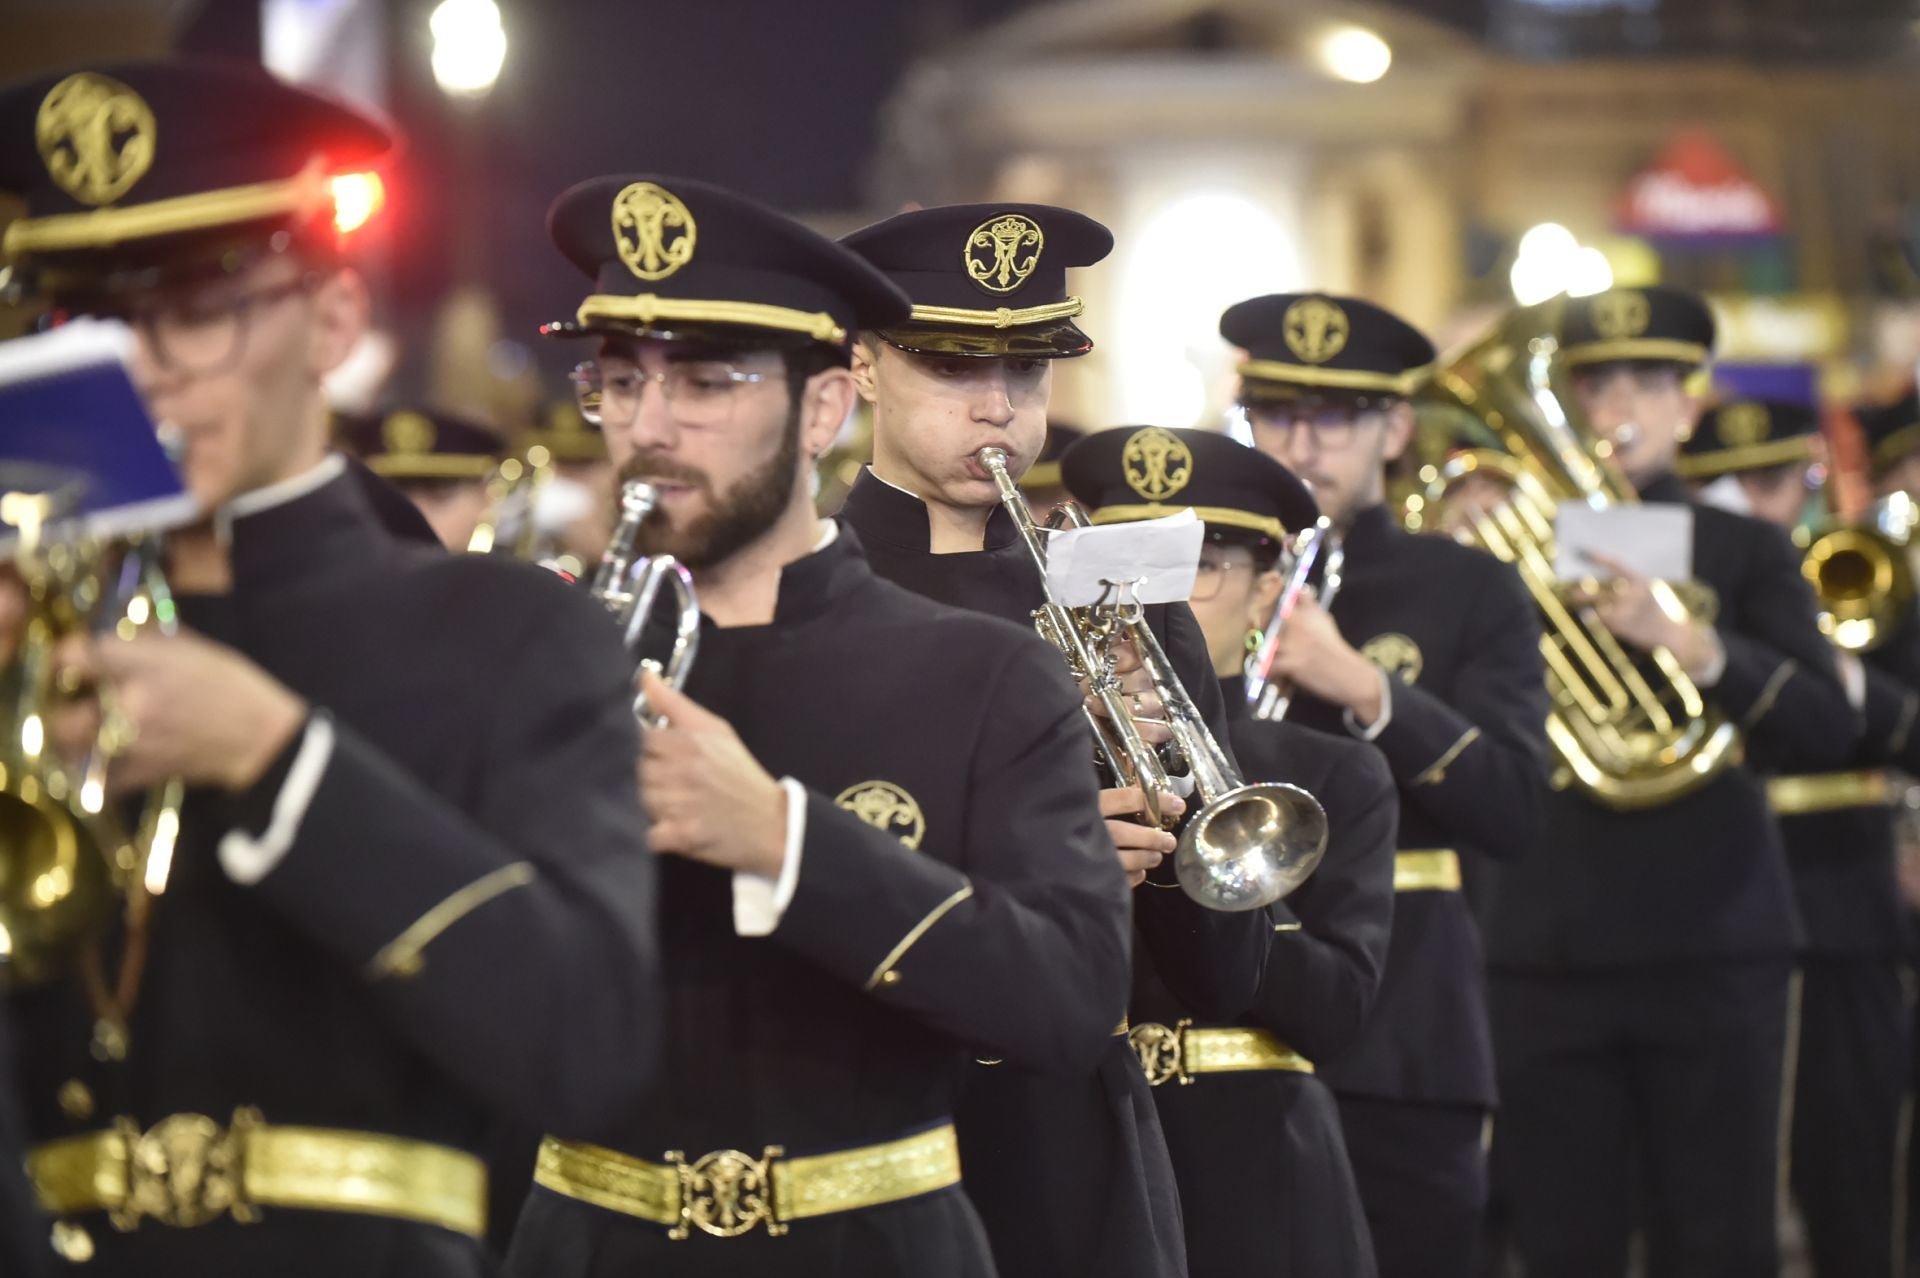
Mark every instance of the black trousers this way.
pixel 1422 1173
pixel 1849 1098
pixel 1665 1078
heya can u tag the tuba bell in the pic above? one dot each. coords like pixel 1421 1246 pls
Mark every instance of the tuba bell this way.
pixel 1862 574
pixel 1248 845
pixel 1629 733
pixel 70 855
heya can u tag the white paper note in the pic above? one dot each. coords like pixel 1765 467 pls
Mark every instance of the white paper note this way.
pixel 1655 541
pixel 1154 560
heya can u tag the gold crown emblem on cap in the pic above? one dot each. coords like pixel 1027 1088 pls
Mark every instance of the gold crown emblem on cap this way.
pixel 993 252
pixel 407 434
pixel 1620 314
pixel 96 136
pixel 1156 462
pixel 885 806
pixel 653 230
pixel 1316 329
pixel 1743 424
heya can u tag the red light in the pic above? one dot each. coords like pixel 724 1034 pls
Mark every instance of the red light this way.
pixel 357 198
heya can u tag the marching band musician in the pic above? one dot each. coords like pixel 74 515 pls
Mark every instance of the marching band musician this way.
pixel 407 892
pixel 1072 1173
pixel 438 459
pixel 1850 1080
pixel 852 907
pixel 1265 1185
pixel 1641 959
pixel 1431 652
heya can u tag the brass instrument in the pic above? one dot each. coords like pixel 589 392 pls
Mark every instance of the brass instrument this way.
pixel 513 491
pixel 1629 736
pixel 68 855
pixel 1248 845
pixel 629 584
pixel 1862 574
pixel 1267 698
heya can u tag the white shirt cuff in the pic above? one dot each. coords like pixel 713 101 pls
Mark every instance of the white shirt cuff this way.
pixel 1372 731
pixel 246 859
pixel 1710 677
pixel 1853 677
pixel 759 901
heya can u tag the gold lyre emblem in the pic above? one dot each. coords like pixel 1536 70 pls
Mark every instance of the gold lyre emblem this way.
pixel 184 1171
pixel 1743 424
pixel 885 806
pixel 726 1193
pixel 96 136
pixel 1316 329
pixel 1622 313
pixel 1156 462
pixel 995 248
pixel 1158 1047
pixel 1396 654
pixel 408 434
pixel 653 230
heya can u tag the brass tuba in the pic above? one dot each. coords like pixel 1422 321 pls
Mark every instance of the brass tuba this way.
pixel 69 855
pixel 1862 574
pixel 1630 733
pixel 1248 845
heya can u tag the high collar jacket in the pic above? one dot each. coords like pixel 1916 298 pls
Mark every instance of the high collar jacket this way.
pixel 463 924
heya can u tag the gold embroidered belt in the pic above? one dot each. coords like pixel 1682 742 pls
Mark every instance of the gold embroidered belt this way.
pixel 189 1170
pixel 1829 792
pixel 1426 870
pixel 727 1193
pixel 1179 1051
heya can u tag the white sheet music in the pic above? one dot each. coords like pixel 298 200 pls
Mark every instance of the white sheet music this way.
pixel 1155 560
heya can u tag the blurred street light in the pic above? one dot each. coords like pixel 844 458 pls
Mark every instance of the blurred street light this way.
pixel 469 46
pixel 1355 54
pixel 1551 261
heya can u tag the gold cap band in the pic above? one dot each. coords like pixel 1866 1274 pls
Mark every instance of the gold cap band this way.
pixel 648 307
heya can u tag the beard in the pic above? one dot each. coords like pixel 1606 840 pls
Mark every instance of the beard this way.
pixel 734 519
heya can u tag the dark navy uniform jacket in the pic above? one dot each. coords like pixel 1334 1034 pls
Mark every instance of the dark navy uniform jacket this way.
pixel 481 728
pixel 1102 1199
pixel 1459 637
pixel 957 896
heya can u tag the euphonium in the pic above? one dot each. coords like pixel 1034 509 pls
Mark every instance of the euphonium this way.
pixel 68 852
pixel 629 585
pixel 1267 697
pixel 1248 845
pixel 513 492
pixel 1628 735
pixel 1862 574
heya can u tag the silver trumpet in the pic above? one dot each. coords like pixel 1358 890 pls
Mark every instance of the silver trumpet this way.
pixel 629 584
pixel 1248 845
pixel 1269 698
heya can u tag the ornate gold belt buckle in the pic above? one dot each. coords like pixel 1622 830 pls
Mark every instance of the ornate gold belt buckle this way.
pixel 185 1170
pixel 726 1193
pixel 1162 1050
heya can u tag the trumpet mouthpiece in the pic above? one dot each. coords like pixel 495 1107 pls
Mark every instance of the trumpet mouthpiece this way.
pixel 992 458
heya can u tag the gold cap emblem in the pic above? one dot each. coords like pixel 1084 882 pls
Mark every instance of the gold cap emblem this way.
pixel 1316 329
pixel 1743 424
pixel 1396 654
pixel 653 230
pixel 1157 463
pixel 885 806
pixel 407 434
pixel 1623 313
pixel 96 136
pixel 994 250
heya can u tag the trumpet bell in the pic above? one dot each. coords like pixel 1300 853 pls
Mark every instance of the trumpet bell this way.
pixel 1863 583
pixel 1251 846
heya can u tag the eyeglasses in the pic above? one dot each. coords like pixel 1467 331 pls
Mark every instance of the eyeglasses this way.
pixel 200 337
pixel 1210 576
pixel 700 391
pixel 1333 425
